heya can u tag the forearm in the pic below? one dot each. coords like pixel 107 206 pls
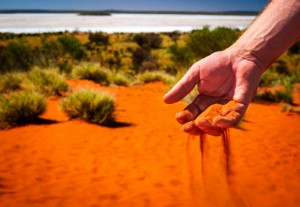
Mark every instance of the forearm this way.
pixel 272 33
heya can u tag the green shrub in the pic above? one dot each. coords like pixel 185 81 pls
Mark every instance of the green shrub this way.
pixel 205 41
pixel 72 46
pixel 139 56
pixel 17 55
pixel 56 52
pixel 274 97
pixel 181 56
pixel 6 60
pixel 148 77
pixel 294 66
pixel 92 72
pixel 99 38
pixel 11 82
pixel 150 40
pixel 94 107
pixel 48 82
pixel 20 108
pixel 279 95
pixel 270 78
pixel 120 79
pixel 290 109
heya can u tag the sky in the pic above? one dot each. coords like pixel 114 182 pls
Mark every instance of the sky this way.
pixel 156 5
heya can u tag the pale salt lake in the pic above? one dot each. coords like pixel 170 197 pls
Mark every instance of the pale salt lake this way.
pixel 38 23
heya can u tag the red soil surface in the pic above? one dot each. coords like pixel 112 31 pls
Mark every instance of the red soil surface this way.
pixel 147 160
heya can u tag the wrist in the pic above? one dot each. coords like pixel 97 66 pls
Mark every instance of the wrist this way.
pixel 245 52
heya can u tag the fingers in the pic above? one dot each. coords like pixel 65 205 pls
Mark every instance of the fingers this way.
pixel 231 114
pixel 199 104
pixel 230 120
pixel 184 86
pixel 191 128
pixel 207 126
pixel 188 114
pixel 193 110
pixel 214 119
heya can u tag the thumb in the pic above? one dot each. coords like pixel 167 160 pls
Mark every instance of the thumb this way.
pixel 184 86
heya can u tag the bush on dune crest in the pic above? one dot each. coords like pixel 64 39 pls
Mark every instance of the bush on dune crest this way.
pixel 48 82
pixel 11 82
pixel 148 77
pixel 20 108
pixel 120 79
pixel 92 72
pixel 91 106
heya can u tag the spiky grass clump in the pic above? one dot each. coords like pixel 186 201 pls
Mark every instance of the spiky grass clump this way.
pixel 48 82
pixel 92 72
pixel 279 95
pixel 94 107
pixel 120 79
pixel 290 109
pixel 11 82
pixel 276 97
pixel 20 108
pixel 148 77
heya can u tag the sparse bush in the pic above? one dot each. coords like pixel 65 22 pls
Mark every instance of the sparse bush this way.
pixel 148 77
pixel 11 82
pixel 291 65
pixel 269 78
pixel 99 38
pixel 181 56
pixel 119 79
pixel 20 108
pixel 273 97
pixel 149 65
pixel 72 46
pixel 94 107
pixel 289 108
pixel 278 95
pixel 175 35
pixel 143 60
pixel 150 40
pixel 139 56
pixel 48 82
pixel 92 72
pixel 22 54
pixel 17 55
pixel 6 60
pixel 205 41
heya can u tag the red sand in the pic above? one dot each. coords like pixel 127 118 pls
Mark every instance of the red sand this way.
pixel 149 161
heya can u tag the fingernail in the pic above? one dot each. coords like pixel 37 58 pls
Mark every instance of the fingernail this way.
pixel 187 127
pixel 179 115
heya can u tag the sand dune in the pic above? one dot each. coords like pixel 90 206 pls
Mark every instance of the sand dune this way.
pixel 147 160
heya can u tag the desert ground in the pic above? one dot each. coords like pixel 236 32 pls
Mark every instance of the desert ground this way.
pixel 146 160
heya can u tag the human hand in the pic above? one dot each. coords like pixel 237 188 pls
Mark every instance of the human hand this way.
pixel 221 77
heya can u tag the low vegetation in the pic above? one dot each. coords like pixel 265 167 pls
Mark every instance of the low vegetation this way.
pixel 148 77
pixel 48 82
pixel 20 108
pixel 120 79
pixel 92 72
pixel 43 62
pixel 91 106
pixel 11 82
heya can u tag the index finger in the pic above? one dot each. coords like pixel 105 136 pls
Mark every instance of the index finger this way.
pixel 184 86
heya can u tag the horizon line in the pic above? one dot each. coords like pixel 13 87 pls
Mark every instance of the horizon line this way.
pixel 129 11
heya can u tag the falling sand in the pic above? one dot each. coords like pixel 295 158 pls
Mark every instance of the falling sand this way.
pixel 207 168
pixel 210 167
pixel 143 162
